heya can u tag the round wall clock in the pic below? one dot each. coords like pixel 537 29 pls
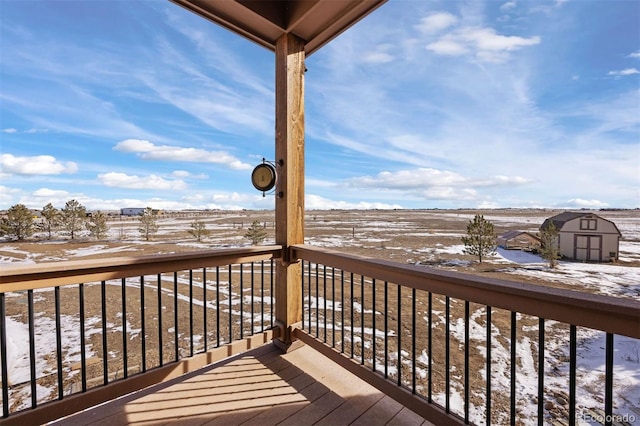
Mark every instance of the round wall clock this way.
pixel 263 177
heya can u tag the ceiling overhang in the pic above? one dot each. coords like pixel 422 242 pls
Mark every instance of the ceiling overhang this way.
pixel 317 22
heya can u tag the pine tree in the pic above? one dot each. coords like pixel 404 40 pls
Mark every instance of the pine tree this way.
pixel 18 223
pixel 549 244
pixel 73 217
pixel 97 225
pixel 51 217
pixel 481 239
pixel 256 233
pixel 148 223
pixel 199 230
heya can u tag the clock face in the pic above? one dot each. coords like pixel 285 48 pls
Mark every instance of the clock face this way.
pixel 263 177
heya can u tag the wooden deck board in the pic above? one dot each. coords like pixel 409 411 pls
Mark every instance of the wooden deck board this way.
pixel 261 387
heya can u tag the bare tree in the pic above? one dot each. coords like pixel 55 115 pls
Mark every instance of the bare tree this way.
pixel 199 230
pixel 148 223
pixel 97 225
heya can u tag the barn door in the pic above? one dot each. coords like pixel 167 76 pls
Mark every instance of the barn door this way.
pixel 588 247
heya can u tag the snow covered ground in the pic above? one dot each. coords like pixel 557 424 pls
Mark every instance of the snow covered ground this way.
pixel 619 280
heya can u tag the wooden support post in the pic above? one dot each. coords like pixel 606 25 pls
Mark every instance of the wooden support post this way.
pixel 290 69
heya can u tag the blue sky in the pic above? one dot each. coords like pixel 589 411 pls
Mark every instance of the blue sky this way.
pixel 423 104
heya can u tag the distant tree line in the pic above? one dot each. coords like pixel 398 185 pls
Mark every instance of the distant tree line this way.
pixel 20 223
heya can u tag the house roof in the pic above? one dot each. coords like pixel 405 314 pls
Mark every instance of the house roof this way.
pixel 560 219
pixel 263 21
pixel 512 234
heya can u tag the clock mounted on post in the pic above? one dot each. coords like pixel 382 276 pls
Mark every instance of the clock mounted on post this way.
pixel 264 177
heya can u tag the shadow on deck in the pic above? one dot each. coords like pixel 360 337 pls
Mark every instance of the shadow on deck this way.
pixel 260 387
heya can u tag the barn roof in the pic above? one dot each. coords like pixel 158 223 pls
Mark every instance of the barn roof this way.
pixel 560 219
pixel 512 234
pixel 263 21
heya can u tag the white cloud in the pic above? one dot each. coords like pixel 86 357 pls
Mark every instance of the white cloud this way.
pixel 626 71
pixel 447 46
pixel 634 55
pixel 580 203
pixel 316 202
pixel 185 174
pixel 380 55
pixel 423 178
pixel 508 6
pixel 9 130
pixel 148 151
pixel 436 22
pixel 484 42
pixel 49 193
pixel 37 165
pixel 121 180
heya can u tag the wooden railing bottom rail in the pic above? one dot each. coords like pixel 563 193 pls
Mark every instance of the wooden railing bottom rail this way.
pixel 75 403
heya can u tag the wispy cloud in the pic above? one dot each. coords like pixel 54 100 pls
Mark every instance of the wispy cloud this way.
pixel 36 165
pixel 626 71
pixel 148 151
pixel 122 180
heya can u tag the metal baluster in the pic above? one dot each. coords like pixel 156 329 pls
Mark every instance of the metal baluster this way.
pixel 241 300
pixel 324 292
pixel 342 310
pixel 429 346
pixel 351 294
pixel 333 305
pixel 142 326
pixel 413 340
pixel 386 329
pixel 540 371
pixel 362 319
pixel 160 343
pixel 125 358
pixel 572 373
pixel 230 305
pixel 3 355
pixel 466 361
pixel 399 335
pixel 83 351
pixel 513 368
pixel 32 350
pixel 204 309
pixel 447 362
pixel 59 343
pixel 608 380
pixel 105 360
pixel 488 367
pixel 175 317
pixel 373 323
pixel 217 306
pixel 190 312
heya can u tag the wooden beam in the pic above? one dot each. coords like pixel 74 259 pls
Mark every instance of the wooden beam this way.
pixel 290 68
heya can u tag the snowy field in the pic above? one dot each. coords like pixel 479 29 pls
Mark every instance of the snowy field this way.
pixel 431 238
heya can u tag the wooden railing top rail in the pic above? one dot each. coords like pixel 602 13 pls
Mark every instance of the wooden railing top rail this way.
pixel 43 275
pixel 599 312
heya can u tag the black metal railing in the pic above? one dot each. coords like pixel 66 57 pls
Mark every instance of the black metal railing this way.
pixel 477 362
pixel 91 334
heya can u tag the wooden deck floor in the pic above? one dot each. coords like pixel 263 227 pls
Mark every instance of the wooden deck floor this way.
pixel 261 387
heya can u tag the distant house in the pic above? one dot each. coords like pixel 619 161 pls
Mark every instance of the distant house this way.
pixel 586 236
pixel 518 240
pixel 132 211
